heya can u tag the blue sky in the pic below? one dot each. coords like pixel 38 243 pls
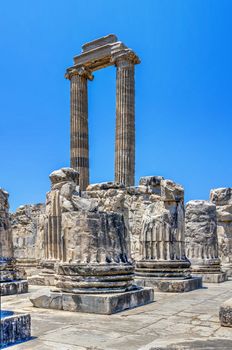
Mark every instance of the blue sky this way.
pixel 183 91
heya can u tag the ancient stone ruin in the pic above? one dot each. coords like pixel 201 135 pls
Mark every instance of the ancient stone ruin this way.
pixel 104 248
pixel 222 198
pixel 98 54
pixel 87 253
pixel 202 242
pixel 26 225
pixel 14 327
pixel 163 263
pixel 10 282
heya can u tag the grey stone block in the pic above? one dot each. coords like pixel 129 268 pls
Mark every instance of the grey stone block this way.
pixel 212 277
pixel 170 285
pixel 14 287
pixel 105 304
pixel 225 313
pixel 15 328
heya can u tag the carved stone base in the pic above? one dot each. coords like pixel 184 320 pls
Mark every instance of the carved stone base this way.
pixel 42 279
pixel 173 269
pixel 209 270
pixel 170 285
pixel 225 313
pixel 228 269
pixel 212 277
pixel 95 278
pixel 14 287
pixel 28 267
pixel 105 304
pixel 47 275
pixel 15 329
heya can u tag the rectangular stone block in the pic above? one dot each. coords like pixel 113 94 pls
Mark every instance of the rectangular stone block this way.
pixel 212 277
pixel 225 313
pixel 170 285
pixel 105 304
pixel 108 39
pixel 14 287
pixel 14 329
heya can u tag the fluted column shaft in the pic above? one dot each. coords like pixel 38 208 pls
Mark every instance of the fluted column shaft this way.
pixel 125 123
pixel 79 125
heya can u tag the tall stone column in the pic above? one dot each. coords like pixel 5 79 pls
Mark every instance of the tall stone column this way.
pixel 125 119
pixel 79 147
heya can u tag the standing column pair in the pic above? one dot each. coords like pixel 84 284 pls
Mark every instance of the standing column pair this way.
pixel 125 119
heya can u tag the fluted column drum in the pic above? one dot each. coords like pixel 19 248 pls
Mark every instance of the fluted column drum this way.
pixel 201 240
pixel 100 263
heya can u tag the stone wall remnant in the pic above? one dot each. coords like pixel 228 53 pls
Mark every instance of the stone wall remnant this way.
pixel 87 253
pixel 26 224
pixel 10 282
pixel 154 218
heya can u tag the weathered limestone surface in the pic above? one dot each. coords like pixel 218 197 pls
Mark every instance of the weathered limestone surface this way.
pixel 6 246
pixel 105 304
pixel 201 240
pixel 15 328
pixel 225 313
pixel 163 263
pixel 222 198
pixel 10 282
pixel 125 120
pixel 26 224
pixel 63 185
pixel 100 53
pixel 87 250
pixel 154 217
pixel 79 124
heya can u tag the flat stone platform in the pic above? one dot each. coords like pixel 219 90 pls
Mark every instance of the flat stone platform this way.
pixel 187 321
pixel 170 285
pixel 212 277
pixel 105 304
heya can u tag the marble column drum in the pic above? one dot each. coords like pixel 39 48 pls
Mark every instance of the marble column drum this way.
pixel 163 264
pixel 79 123
pixel 202 242
pixel 125 123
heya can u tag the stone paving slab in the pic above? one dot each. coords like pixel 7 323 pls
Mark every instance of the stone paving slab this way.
pixel 173 321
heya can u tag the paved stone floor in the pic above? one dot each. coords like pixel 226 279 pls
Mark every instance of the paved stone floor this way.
pixel 174 321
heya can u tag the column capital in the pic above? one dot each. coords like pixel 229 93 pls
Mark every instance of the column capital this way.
pixel 81 71
pixel 124 57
